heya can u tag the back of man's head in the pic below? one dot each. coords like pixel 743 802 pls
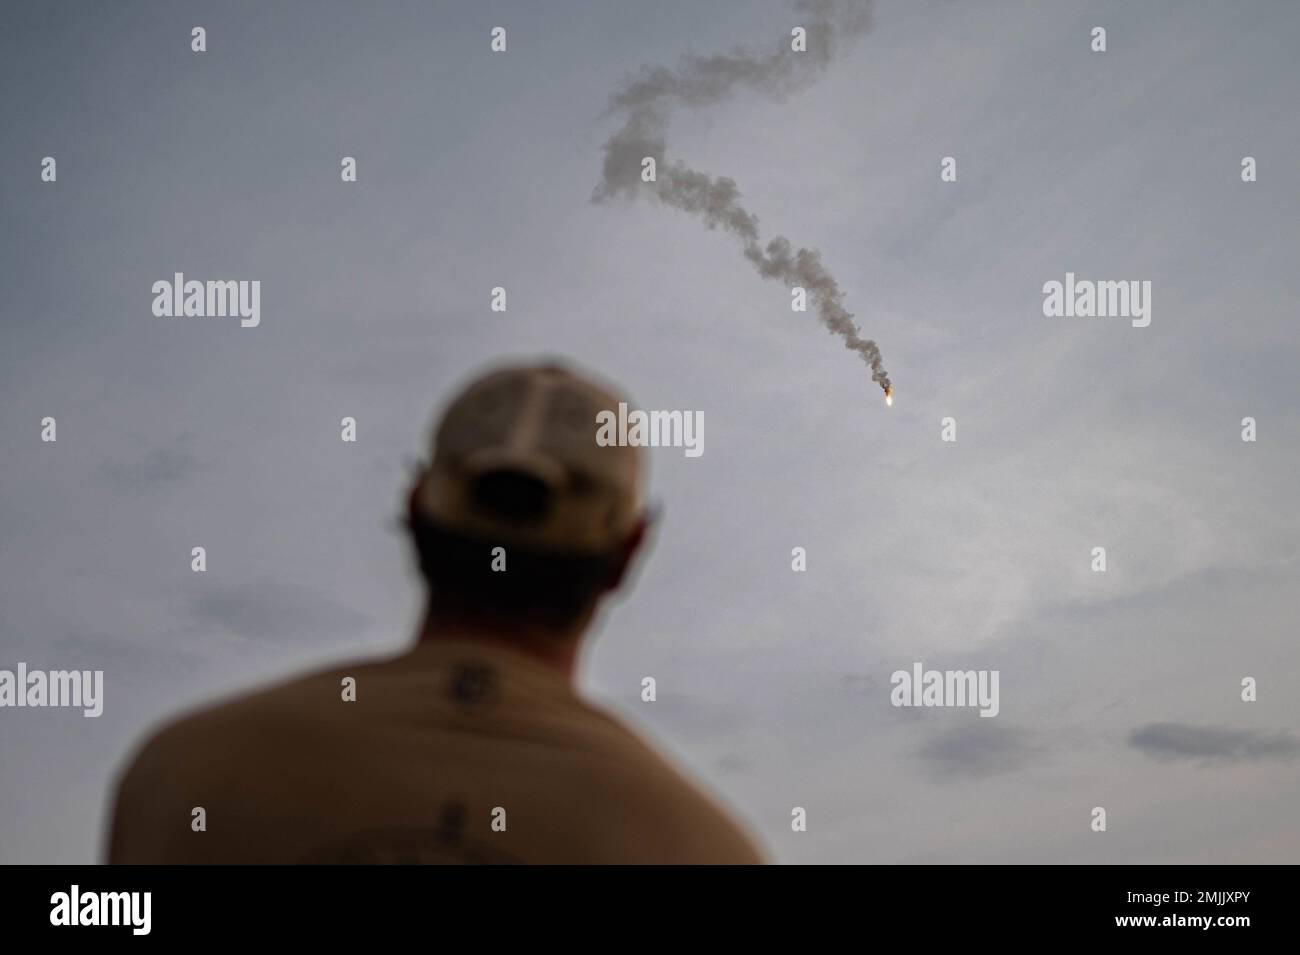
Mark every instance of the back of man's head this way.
pixel 521 517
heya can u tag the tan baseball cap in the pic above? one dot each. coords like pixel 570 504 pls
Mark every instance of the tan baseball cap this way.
pixel 515 460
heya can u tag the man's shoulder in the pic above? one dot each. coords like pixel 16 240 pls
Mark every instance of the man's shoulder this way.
pixel 646 787
pixel 241 717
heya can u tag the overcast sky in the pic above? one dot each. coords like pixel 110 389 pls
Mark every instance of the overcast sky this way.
pixel 1119 690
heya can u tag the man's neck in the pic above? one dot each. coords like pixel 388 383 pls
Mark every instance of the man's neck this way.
pixel 558 651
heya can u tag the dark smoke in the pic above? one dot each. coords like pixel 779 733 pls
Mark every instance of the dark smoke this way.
pixel 646 102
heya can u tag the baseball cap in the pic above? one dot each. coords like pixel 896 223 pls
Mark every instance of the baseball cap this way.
pixel 515 461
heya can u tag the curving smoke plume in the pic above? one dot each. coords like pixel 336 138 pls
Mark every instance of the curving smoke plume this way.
pixel 646 102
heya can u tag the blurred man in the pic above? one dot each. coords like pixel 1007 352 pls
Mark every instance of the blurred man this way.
pixel 472 746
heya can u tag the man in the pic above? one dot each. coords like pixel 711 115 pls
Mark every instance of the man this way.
pixel 472 746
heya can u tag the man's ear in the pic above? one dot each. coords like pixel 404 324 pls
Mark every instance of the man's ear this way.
pixel 627 551
pixel 417 482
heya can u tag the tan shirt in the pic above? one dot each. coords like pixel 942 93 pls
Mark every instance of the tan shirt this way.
pixel 454 752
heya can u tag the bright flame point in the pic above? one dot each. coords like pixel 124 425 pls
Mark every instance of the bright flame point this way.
pixel 889 397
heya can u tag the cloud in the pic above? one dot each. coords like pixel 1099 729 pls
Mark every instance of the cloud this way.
pixel 1171 741
pixel 270 610
pixel 695 716
pixel 153 468
pixel 979 749
pixel 732 763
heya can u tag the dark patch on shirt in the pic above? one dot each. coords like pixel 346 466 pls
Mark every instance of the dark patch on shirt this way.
pixel 451 823
pixel 446 843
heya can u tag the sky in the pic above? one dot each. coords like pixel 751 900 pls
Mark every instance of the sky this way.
pixel 1119 689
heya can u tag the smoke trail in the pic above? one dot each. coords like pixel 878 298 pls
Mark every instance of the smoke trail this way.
pixel 646 101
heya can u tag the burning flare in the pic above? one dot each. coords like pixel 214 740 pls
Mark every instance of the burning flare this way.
pixel 889 396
